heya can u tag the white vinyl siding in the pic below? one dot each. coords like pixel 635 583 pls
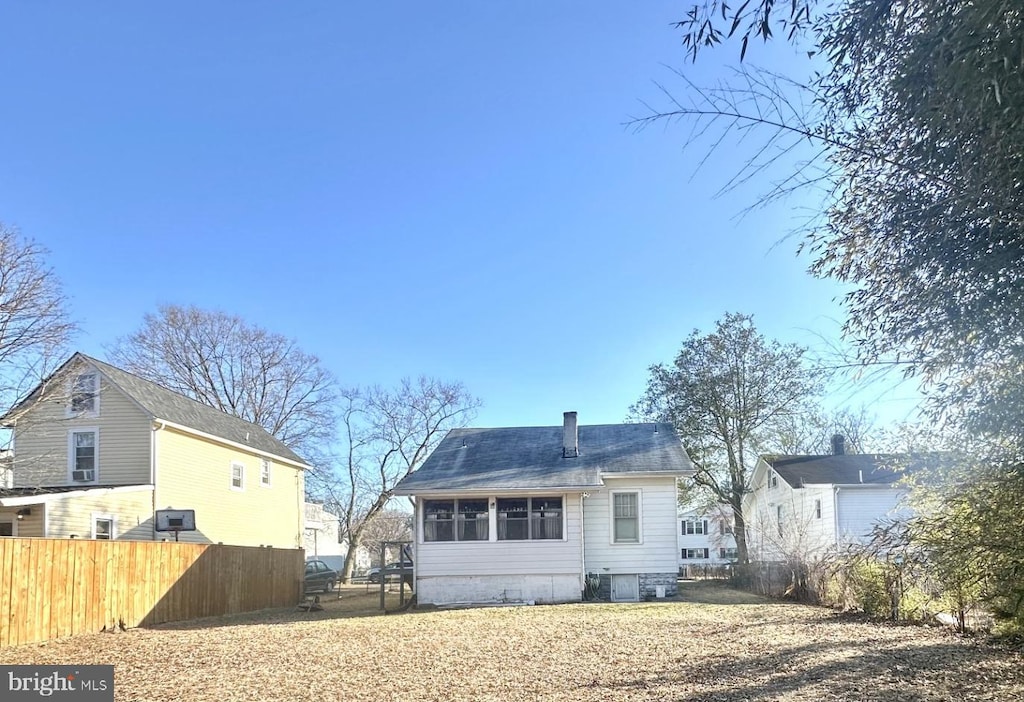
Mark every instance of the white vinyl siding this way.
pixel 493 557
pixel 657 507
pixel 860 509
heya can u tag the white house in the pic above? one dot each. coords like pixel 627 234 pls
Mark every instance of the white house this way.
pixel 705 538
pixel 540 513
pixel 803 505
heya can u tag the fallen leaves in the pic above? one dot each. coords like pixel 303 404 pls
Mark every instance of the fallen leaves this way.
pixel 721 645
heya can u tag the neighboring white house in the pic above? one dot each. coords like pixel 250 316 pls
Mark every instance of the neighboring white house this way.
pixel 322 542
pixel 320 536
pixel 539 513
pixel 705 538
pixel 804 505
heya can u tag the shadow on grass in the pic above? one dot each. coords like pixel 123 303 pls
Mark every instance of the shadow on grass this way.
pixel 718 592
pixel 847 670
pixel 347 602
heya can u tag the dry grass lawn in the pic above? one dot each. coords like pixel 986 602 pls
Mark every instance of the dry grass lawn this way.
pixel 714 644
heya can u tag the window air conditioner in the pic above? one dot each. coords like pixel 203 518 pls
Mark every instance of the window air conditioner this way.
pixel 83 476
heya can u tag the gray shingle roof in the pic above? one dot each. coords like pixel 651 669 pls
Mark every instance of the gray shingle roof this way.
pixel 844 469
pixel 523 458
pixel 174 407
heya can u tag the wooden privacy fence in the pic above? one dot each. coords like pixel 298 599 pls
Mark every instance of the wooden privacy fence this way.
pixel 50 588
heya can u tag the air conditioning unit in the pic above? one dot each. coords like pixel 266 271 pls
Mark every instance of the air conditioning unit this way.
pixel 83 476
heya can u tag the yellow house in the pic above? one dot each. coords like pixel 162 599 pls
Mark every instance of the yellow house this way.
pixel 97 451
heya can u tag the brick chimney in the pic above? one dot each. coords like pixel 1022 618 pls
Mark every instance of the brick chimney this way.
pixel 570 436
pixel 838 445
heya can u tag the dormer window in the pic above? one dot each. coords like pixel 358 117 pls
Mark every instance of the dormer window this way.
pixel 85 394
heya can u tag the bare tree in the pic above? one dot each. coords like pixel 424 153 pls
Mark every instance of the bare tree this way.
pixel 34 324
pixel 812 432
pixel 389 525
pixel 726 393
pixel 387 434
pixel 240 368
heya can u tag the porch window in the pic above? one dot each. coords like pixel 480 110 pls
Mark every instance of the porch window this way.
pixel 472 522
pixel 626 517
pixel 513 519
pixel 546 518
pixel 439 520
pixel 529 518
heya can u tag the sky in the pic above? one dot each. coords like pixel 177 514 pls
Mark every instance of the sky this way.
pixel 441 189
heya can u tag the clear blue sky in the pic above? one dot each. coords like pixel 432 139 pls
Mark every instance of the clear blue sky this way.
pixel 405 188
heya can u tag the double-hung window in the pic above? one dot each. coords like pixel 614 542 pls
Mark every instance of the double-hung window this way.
pixel 103 527
pixel 237 476
pixel 265 472
pixel 82 455
pixel 85 394
pixel 529 518
pixel 695 526
pixel 626 517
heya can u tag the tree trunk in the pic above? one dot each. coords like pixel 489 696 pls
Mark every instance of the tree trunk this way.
pixel 739 531
pixel 354 542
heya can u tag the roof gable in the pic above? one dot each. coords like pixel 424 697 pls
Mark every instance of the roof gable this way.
pixel 525 458
pixel 173 407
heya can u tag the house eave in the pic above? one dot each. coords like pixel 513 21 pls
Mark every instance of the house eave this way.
pixel 648 474
pixel 413 492
pixel 234 444
pixel 41 497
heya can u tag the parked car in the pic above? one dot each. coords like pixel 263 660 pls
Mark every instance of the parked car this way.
pixel 392 571
pixel 320 576
pixel 333 562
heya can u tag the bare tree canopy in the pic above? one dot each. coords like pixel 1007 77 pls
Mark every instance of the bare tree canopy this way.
pixel 387 434
pixel 727 393
pixel 240 368
pixel 34 323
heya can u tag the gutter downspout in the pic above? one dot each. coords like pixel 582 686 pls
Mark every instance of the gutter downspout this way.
pixel 583 547
pixel 153 465
pixel 835 515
